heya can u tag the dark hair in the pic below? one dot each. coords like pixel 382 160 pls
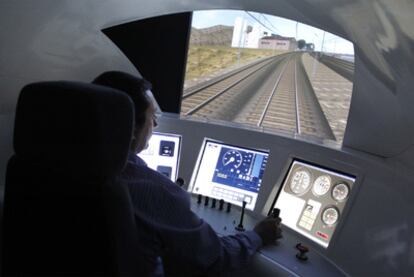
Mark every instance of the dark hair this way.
pixel 132 85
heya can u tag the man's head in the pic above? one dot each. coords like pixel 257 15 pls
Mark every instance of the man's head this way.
pixel 145 105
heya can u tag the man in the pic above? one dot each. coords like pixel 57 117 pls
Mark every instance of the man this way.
pixel 167 226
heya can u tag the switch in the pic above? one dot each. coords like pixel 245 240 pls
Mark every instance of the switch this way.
pixel 221 204
pixel 213 203
pixel 228 207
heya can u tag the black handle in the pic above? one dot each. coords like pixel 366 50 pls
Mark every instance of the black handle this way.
pixel 275 213
pixel 240 226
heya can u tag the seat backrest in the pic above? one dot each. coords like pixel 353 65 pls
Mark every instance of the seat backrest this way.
pixel 65 211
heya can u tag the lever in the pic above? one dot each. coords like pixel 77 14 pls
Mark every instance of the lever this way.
pixel 213 203
pixel 199 198
pixel 275 213
pixel 221 204
pixel 240 226
pixel 206 199
pixel 228 207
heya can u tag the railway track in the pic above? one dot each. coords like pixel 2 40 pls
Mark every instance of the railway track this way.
pixel 274 94
pixel 196 99
pixel 288 103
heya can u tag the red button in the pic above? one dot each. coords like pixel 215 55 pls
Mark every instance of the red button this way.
pixel 322 235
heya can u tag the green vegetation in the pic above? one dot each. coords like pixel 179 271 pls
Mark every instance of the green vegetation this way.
pixel 207 60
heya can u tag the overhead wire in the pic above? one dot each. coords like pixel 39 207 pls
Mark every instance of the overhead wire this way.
pixel 261 23
pixel 270 23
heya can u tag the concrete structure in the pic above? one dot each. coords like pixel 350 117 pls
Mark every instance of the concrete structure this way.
pixel 277 42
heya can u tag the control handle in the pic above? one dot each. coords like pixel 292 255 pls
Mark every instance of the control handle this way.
pixel 240 226
pixel 275 213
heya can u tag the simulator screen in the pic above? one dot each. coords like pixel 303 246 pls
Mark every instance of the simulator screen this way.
pixel 163 154
pixel 229 172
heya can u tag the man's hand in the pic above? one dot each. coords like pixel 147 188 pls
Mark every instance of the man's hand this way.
pixel 269 229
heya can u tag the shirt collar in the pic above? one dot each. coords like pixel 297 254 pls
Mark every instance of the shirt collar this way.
pixel 133 158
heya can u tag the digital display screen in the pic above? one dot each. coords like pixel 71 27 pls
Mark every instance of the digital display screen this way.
pixel 163 154
pixel 312 200
pixel 229 172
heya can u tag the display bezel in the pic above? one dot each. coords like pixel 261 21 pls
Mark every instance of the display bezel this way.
pixel 204 144
pixel 328 170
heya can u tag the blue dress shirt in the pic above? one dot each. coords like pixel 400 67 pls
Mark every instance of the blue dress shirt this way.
pixel 167 224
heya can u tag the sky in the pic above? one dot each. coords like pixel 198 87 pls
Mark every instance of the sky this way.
pixel 277 25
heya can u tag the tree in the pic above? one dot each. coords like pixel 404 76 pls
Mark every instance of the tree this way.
pixel 301 43
pixel 310 46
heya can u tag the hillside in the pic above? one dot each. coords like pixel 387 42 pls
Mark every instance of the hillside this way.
pixel 206 61
pixel 210 54
pixel 215 35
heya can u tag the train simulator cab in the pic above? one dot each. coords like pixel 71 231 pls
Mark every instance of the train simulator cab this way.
pixel 315 125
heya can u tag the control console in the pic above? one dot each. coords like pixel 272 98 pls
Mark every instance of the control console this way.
pixel 287 257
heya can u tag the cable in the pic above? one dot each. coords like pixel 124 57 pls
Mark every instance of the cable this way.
pixel 270 29
pixel 270 23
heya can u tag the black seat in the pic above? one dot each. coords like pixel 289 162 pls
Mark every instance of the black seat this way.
pixel 65 212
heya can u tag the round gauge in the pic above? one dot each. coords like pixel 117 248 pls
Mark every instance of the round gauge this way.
pixel 321 185
pixel 340 191
pixel 330 216
pixel 300 182
pixel 232 158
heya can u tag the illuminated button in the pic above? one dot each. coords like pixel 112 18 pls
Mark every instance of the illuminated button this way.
pixel 322 235
pixel 248 199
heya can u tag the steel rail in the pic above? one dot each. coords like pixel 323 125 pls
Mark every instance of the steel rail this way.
pixel 211 98
pixel 273 93
pixel 298 131
pixel 226 76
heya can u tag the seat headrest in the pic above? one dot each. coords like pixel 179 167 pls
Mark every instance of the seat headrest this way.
pixel 75 128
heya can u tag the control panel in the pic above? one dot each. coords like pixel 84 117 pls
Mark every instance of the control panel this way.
pixel 286 257
pixel 312 200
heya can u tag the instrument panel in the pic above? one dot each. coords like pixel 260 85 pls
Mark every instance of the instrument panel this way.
pixel 278 259
pixel 229 172
pixel 312 200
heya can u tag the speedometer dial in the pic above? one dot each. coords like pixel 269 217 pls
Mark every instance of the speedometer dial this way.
pixel 232 158
pixel 330 216
pixel 300 182
pixel 321 185
pixel 340 192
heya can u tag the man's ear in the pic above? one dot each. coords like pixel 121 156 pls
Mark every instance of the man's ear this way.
pixel 134 139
